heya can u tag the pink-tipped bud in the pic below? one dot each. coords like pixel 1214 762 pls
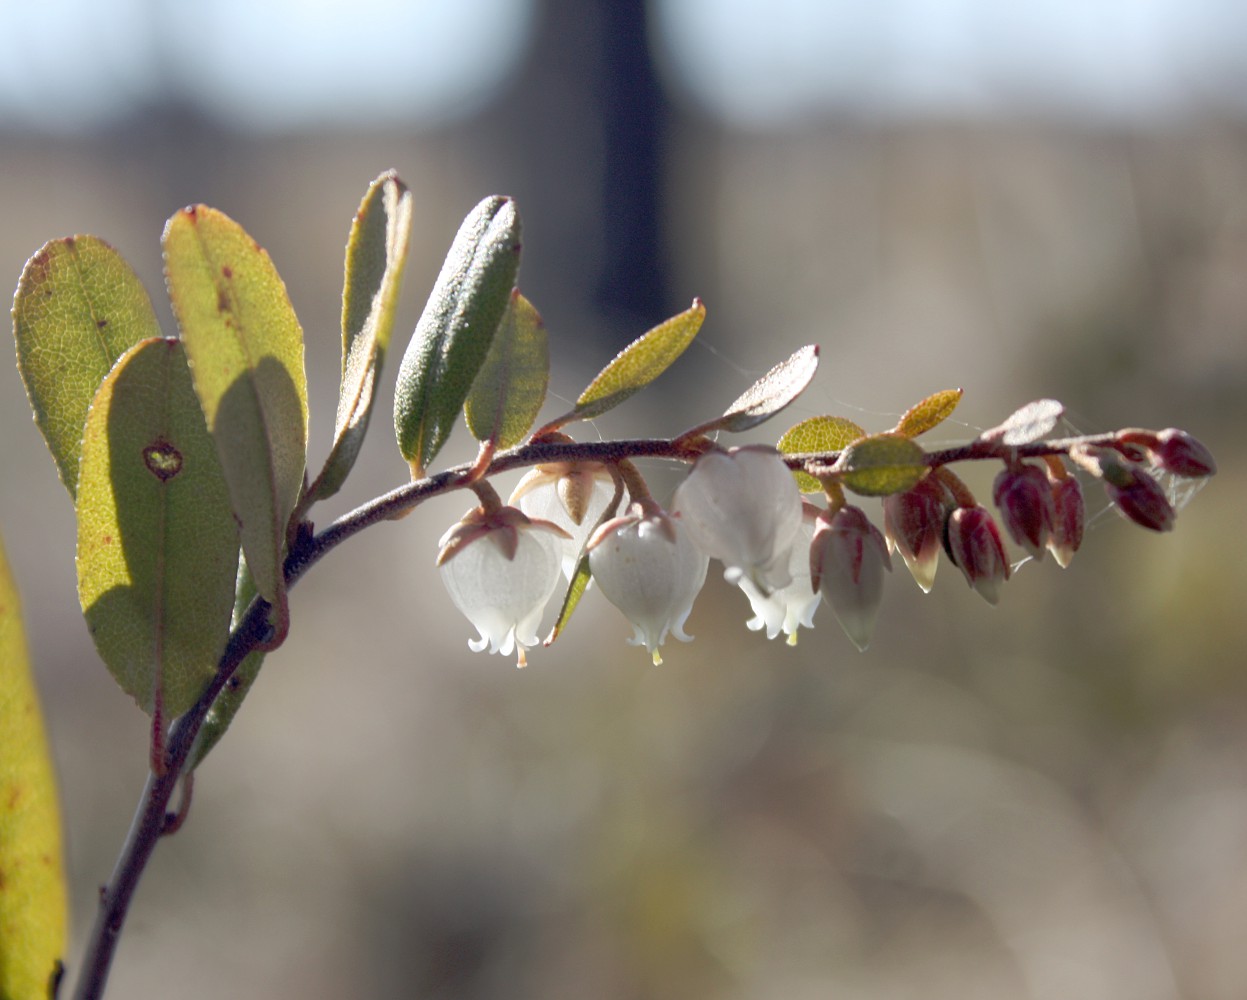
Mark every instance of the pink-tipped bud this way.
pixel 1140 497
pixel 1069 515
pixel 914 524
pixel 1182 455
pixel 848 557
pixel 1025 500
pixel 975 546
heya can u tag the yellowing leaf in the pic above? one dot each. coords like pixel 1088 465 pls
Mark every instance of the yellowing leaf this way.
pixel 818 434
pixel 511 385
pixel 638 364
pixel 456 329
pixel 928 413
pixel 881 465
pixel 245 347
pixel 79 306
pixel 376 252
pixel 157 543
pixel 33 900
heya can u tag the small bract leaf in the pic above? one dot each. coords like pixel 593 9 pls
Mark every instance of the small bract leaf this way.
pixel 880 465
pixel 376 252
pixel 928 413
pixel 1033 422
pixel 511 385
pixel 818 434
pixel 157 542
pixel 79 306
pixel 34 906
pixel 575 591
pixel 456 329
pixel 245 347
pixel 227 703
pixel 771 393
pixel 638 364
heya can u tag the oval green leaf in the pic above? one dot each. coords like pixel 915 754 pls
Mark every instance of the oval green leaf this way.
pixel 1032 422
pixel 818 435
pixel 454 333
pixel 79 306
pixel 34 908
pixel 376 252
pixel 157 542
pixel 637 365
pixel 928 413
pixel 881 465
pixel 575 591
pixel 771 393
pixel 511 385
pixel 245 347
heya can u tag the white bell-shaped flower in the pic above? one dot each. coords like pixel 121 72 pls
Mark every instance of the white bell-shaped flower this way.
pixel 743 508
pixel 501 568
pixel 646 565
pixel 790 607
pixel 573 495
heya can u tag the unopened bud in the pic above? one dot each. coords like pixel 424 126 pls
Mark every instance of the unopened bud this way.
pixel 1025 500
pixel 848 557
pixel 914 524
pixel 1140 497
pixel 975 546
pixel 1182 455
pixel 1069 515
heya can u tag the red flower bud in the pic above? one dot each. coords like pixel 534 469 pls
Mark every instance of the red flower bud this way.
pixel 975 546
pixel 914 524
pixel 1140 497
pixel 1024 497
pixel 1069 515
pixel 848 557
pixel 1179 453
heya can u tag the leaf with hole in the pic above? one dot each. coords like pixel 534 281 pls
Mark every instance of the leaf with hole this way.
pixel 456 329
pixel 818 435
pixel 157 542
pixel 79 306
pixel 34 907
pixel 245 347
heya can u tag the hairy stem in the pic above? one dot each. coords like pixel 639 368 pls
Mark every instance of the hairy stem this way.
pixel 153 819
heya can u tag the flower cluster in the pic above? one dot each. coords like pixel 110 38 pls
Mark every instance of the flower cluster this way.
pixel 743 507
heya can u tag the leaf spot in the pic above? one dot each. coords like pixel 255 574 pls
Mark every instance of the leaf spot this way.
pixel 227 271
pixel 162 460
pixel 222 300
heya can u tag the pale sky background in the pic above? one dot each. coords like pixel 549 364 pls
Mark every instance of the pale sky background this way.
pixel 291 64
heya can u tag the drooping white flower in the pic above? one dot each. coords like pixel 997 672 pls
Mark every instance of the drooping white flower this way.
pixel 743 508
pixel 790 607
pixel 500 568
pixel 646 565
pixel 573 495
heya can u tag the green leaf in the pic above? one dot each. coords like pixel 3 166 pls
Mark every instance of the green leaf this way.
pixel 34 907
pixel 637 365
pixel 246 354
pixel 376 252
pixel 456 329
pixel 770 394
pixel 511 385
pixel 157 543
pixel 817 434
pixel 881 465
pixel 1032 422
pixel 227 703
pixel 928 413
pixel 79 306
pixel 575 591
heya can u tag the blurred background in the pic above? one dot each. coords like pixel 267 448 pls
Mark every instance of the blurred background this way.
pixel 1044 799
